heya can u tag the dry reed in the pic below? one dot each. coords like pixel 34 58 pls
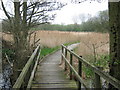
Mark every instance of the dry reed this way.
pixel 90 42
pixel 55 38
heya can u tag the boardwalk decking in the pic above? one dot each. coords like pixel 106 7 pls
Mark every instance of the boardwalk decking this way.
pixel 50 75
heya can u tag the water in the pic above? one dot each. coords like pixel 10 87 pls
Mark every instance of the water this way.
pixel 1 80
pixel 5 78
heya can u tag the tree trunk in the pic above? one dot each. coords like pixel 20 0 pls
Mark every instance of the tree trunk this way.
pixel 114 22
pixel 20 39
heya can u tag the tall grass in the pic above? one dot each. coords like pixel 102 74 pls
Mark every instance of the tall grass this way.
pixel 87 40
pixel 55 38
pixel 49 38
pixel 100 41
pixel 6 37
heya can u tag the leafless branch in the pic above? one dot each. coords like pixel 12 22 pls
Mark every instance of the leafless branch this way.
pixel 31 32
pixel 11 64
pixel 101 45
pixel 37 41
pixel 5 10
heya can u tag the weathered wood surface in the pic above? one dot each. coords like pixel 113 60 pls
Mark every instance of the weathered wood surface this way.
pixel 23 74
pixel 50 75
pixel 33 71
pixel 75 72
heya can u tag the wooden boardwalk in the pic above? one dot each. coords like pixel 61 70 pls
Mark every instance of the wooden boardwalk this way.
pixel 50 75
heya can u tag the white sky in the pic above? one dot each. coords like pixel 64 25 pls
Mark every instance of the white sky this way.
pixel 67 13
pixel 70 11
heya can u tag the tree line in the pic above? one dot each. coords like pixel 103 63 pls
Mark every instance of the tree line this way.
pixel 98 23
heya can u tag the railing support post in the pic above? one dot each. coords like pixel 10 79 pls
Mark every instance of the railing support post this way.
pixel 71 57
pixel 61 55
pixel 79 72
pixel 65 57
pixel 97 82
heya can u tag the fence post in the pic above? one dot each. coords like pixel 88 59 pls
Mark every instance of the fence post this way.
pixel 34 40
pixel 71 57
pixel 97 82
pixel 79 72
pixel 61 55
pixel 65 61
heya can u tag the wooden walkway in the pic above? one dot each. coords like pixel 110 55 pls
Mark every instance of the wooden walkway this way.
pixel 50 75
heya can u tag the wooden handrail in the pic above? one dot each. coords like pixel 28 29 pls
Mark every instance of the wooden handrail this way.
pixel 75 72
pixel 22 75
pixel 33 71
pixel 107 77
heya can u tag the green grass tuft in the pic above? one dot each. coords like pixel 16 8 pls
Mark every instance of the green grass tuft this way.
pixel 102 61
pixel 45 51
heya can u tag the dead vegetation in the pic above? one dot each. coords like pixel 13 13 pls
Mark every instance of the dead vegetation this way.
pixel 87 40
pixel 55 38
pixel 93 43
pixel 94 47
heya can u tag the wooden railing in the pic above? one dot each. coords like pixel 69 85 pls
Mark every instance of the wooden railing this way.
pixel 97 71
pixel 26 76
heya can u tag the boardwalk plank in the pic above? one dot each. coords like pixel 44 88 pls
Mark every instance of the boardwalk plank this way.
pixel 50 75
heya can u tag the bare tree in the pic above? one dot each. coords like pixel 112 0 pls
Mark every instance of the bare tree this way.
pixel 26 14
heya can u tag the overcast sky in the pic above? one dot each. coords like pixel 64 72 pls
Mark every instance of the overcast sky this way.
pixel 68 13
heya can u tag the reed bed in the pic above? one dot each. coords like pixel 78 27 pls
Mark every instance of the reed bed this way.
pixel 98 42
pixel 56 38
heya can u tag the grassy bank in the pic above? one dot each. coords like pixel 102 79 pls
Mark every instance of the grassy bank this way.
pixel 46 50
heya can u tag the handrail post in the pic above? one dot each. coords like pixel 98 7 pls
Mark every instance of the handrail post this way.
pixel 98 73
pixel 61 55
pixel 65 57
pixel 71 57
pixel 79 72
pixel 97 82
